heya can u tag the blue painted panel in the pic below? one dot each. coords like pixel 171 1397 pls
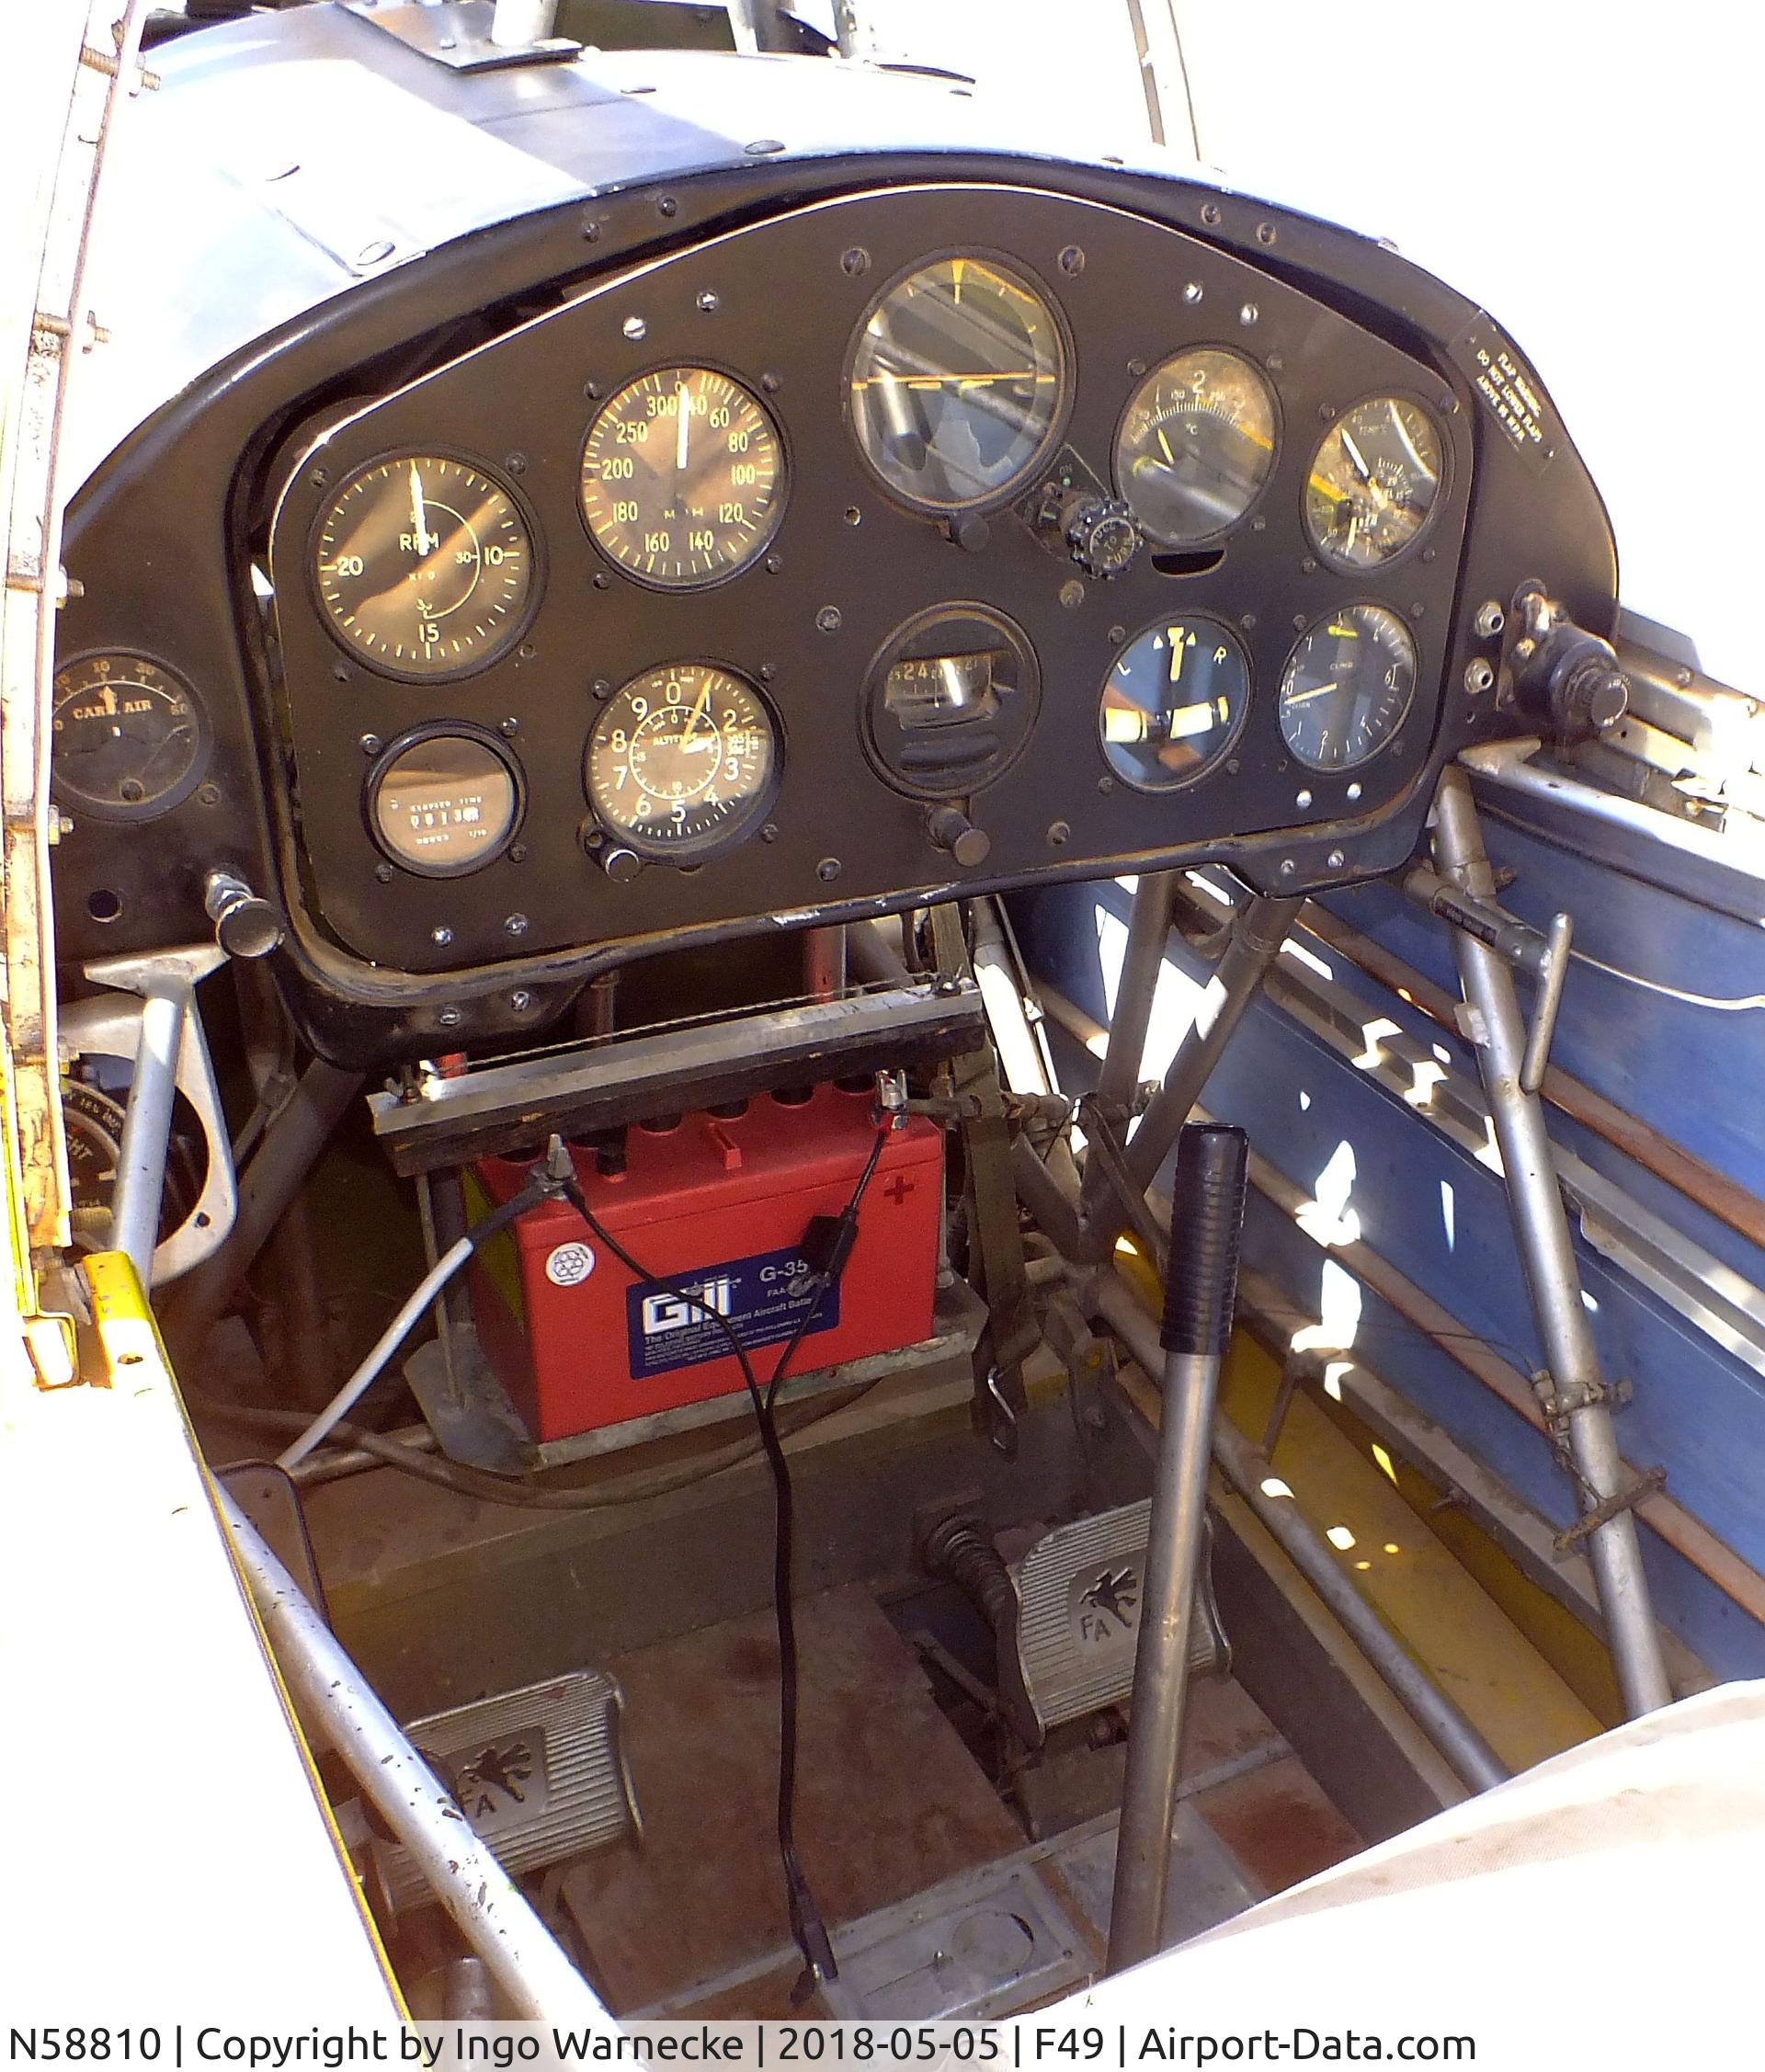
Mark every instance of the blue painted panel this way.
pixel 1698 1411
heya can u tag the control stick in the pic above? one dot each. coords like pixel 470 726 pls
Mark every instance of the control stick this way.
pixel 1201 1290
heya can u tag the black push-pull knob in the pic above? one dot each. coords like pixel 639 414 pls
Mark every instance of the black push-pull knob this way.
pixel 952 830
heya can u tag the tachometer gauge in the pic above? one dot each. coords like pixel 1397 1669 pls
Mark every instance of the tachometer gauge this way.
pixel 1196 445
pixel 1347 686
pixel 128 738
pixel 957 381
pixel 444 802
pixel 1173 703
pixel 682 478
pixel 682 762
pixel 1374 482
pixel 424 565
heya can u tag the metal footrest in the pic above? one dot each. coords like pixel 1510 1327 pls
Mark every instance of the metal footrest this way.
pixel 1079 1590
pixel 539 1773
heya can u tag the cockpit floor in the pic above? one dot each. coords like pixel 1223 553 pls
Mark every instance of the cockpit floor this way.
pixel 890 1802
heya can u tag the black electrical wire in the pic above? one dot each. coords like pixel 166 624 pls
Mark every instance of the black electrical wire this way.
pixel 808 1929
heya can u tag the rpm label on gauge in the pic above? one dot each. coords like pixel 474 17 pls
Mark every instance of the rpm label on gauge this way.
pixel 424 565
pixel 128 737
pixel 683 761
pixel 683 478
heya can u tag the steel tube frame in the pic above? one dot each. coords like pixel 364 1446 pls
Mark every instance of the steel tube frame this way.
pixel 1174 1537
pixel 534 1975
pixel 1260 927
pixel 286 1155
pixel 1547 1258
pixel 147 1126
pixel 1148 935
pixel 1469 1754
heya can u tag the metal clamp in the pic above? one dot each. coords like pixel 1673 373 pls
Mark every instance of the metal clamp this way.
pixel 1650 1483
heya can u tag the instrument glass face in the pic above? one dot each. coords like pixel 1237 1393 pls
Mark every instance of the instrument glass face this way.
pixel 444 804
pixel 957 382
pixel 1373 484
pixel 425 566
pixel 1173 703
pixel 1347 686
pixel 1196 445
pixel 129 740
pixel 683 761
pixel 683 478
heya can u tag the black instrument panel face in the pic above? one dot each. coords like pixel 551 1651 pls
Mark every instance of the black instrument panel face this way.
pixel 754 560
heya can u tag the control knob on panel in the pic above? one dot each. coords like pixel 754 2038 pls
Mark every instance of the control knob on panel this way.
pixel 950 829
pixel 245 925
pixel 1566 676
pixel 1099 532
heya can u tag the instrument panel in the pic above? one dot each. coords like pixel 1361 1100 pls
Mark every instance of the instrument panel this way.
pixel 914 541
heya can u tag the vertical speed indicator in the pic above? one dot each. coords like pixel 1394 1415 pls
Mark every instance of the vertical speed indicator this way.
pixel 682 478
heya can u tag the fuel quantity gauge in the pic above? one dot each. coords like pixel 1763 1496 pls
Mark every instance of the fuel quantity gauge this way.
pixel 128 738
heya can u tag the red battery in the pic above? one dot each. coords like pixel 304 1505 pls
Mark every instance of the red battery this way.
pixel 717 1205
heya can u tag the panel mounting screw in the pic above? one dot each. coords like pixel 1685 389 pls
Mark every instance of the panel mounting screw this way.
pixel 828 869
pixel 855 260
pixel 767 671
pixel 1249 315
pixel 602 686
pixel 1354 792
pixel 1335 860
pixel 771 383
pixel 592 391
pixel 1301 800
pixel 666 205
pixel 369 744
pixel 1288 867
pixel 1072 260
pixel 514 924
pixel 1210 213
pixel 1275 363
pixel 634 328
pixel 1192 291
pixel 707 301
pixel 1248 621
pixel 516 463
pixel 383 872
pixel 520 1000
pixel 510 727
pixel 441 937
pixel 1117 634
pixel 209 795
pixel 1266 234
pixel 603 581
pixel 1071 593
pixel 518 852
pixel 774 564
pixel 1106 785
pixel 827 618
pixel 770 833
pixel 449 1017
pixel 1059 835
pixel 1136 369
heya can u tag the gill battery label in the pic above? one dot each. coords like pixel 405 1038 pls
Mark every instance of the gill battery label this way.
pixel 761 1298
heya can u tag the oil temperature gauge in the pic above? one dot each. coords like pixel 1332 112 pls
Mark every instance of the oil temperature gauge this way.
pixel 682 762
pixel 1196 445
pixel 129 741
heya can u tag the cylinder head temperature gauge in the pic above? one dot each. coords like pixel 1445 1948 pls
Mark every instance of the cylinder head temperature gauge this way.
pixel 1173 703
pixel 682 478
pixel 683 762
pixel 425 566
pixel 1195 446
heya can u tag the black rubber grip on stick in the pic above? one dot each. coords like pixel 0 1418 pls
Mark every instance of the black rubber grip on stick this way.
pixel 1206 1229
